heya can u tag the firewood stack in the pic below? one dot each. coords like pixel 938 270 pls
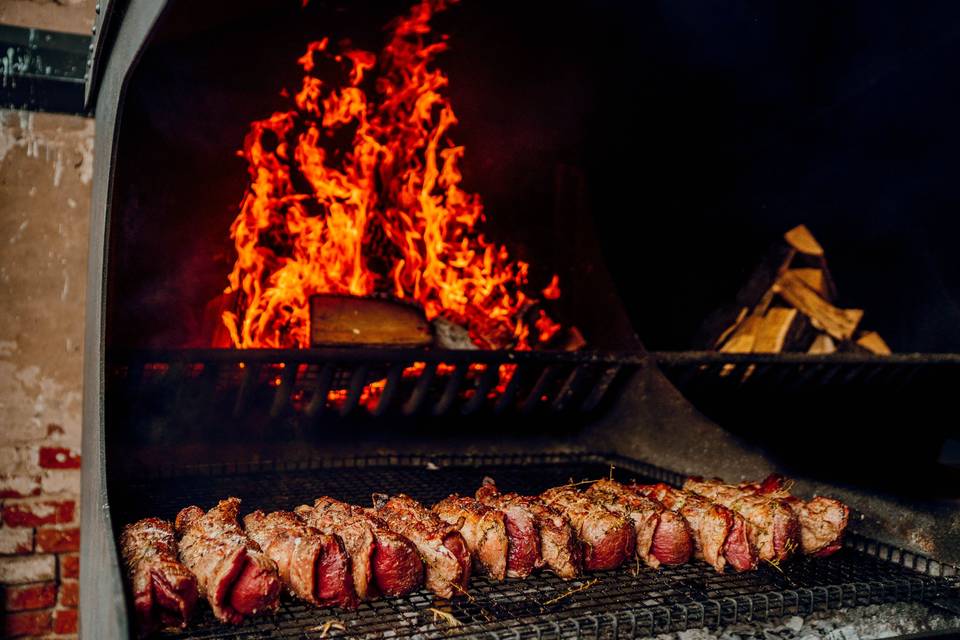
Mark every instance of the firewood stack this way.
pixel 788 304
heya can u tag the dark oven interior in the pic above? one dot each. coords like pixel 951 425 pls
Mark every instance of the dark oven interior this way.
pixel 550 114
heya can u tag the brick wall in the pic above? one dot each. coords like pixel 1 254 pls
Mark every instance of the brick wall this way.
pixel 45 173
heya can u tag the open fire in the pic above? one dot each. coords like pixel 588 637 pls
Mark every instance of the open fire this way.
pixel 356 190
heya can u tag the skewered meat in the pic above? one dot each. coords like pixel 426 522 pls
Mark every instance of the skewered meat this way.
pixel 606 538
pixel 483 528
pixel 662 535
pixel 235 577
pixel 382 561
pixel 822 520
pixel 539 535
pixel 164 591
pixel 314 566
pixel 719 534
pixel 441 546
pixel 772 526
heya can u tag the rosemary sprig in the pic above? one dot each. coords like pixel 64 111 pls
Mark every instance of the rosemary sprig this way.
pixel 325 628
pixel 570 592
pixel 446 617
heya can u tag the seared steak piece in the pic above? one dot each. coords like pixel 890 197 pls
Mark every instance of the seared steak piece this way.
pixel 822 520
pixel 235 577
pixel 382 561
pixel 539 535
pixel 484 529
pixel 314 566
pixel 662 535
pixel 164 591
pixel 772 527
pixel 442 548
pixel 719 534
pixel 607 539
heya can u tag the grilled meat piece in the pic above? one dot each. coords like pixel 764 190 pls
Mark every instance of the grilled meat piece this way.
pixel 719 534
pixel 235 577
pixel 773 528
pixel 662 535
pixel 607 539
pixel 382 561
pixel 822 520
pixel 539 535
pixel 164 591
pixel 314 566
pixel 442 548
pixel 484 529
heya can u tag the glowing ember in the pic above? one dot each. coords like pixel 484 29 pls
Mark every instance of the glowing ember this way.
pixel 357 191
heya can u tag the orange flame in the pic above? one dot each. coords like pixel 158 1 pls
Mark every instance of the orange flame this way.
pixel 357 191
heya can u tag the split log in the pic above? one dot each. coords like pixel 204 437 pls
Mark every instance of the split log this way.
pixel 822 345
pixel 744 336
pixel 872 342
pixel 816 279
pixel 839 323
pixel 350 321
pixel 782 329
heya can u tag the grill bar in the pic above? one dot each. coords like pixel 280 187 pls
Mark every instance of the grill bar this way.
pixel 626 603
pixel 348 383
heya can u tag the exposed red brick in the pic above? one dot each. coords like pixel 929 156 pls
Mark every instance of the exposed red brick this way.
pixel 70 566
pixel 58 540
pixel 28 623
pixel 65 621
pixel 70 593
pixel 30 596
pixel 58 458
pixel 36 513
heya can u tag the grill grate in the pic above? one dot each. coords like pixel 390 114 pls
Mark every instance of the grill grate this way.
pixel 314 385
pixel 626 603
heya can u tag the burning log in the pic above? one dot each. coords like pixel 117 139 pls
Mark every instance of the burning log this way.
pixel 350 321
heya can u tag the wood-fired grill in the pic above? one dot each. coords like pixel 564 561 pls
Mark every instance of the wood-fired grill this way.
pixel 166 426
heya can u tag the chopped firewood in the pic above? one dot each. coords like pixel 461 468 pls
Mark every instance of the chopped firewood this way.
pixel 729 330
pixel 816 279
pixel 780 330
pixel 744 337
pixel 803 241
pixel 839 323
pixel 822 344
pixel 347 320
pixel 872 342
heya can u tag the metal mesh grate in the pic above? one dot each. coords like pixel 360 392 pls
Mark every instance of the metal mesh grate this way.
pixel 626 603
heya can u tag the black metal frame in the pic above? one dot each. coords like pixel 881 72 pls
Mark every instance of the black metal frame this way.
pixel 48 70
pixel 627 603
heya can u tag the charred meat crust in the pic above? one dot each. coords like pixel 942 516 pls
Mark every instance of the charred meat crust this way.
pixel 312 565
pixel 484 529
pixel 164 591
pixel 232 573
pixel 558 547
pixel 382 562
pixel 607 539
pixel 442 548
pixel 823 521
pixel 772 526
pixel 718 534
pixel 662 536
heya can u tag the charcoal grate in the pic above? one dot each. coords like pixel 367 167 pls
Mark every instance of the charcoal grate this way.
pixel 627 603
